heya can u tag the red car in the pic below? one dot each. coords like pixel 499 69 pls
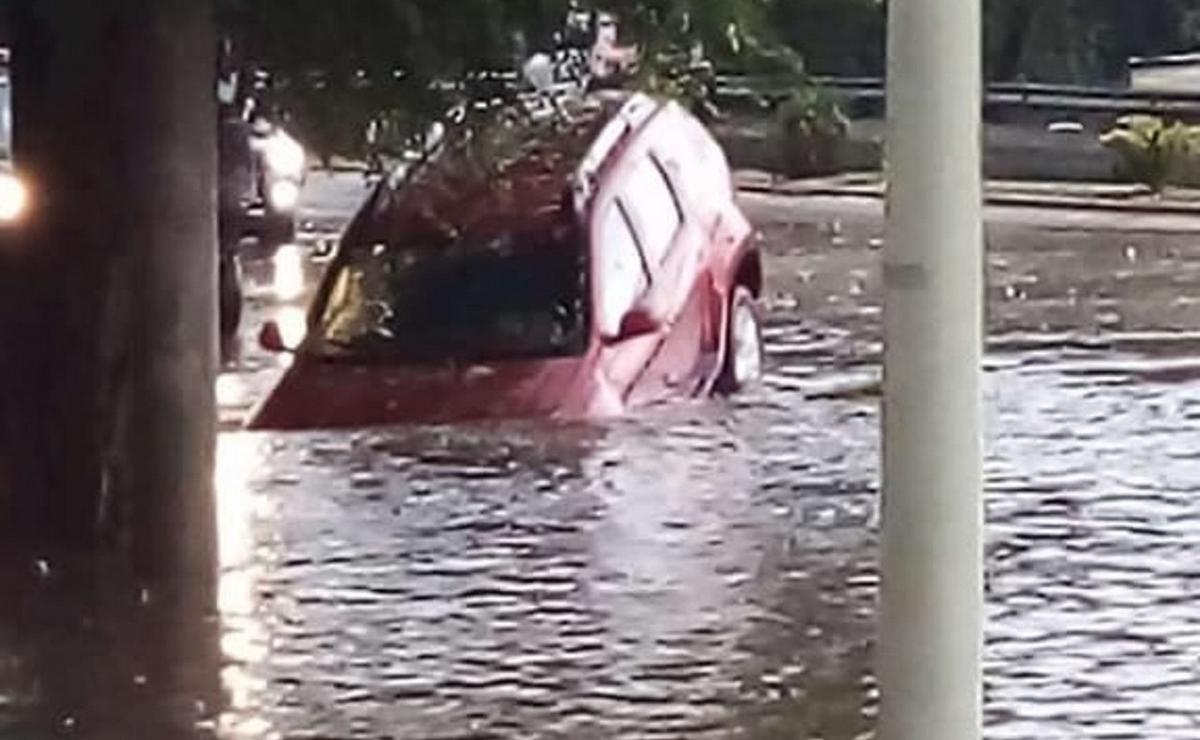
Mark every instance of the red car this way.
pixel 571 263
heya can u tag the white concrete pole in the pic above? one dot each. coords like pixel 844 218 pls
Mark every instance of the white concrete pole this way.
pixel 932 557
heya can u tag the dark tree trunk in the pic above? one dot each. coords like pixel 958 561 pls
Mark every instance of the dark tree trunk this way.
pixel 109 283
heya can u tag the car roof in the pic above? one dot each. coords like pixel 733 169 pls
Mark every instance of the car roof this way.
pixel 506 168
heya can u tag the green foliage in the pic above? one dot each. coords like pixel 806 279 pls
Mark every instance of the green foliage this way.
pixel 1152 151
pixel 1075 41
pixel 1082 41
pixel 676 74
pixel 812 127
pixel 726 29
pixel 337 63
pixel 340 65
pixel 839 37
pixel 1066 41
pixel 683 43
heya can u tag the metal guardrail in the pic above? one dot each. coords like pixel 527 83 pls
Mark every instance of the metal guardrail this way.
pixel 1021 88
pixel 1032 95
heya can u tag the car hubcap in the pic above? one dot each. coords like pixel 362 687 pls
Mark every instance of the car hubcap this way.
pixel 747 346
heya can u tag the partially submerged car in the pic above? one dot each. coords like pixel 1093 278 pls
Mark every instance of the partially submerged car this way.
pixel 567 265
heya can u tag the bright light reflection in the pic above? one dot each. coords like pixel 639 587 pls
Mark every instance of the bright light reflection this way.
pixel 289 272
pixel 231 390
pixel 293 325
pixel 14 197
pixel 284 155
pixel 245 638
pixel 242 690
pixel 237 457
pixel 285 194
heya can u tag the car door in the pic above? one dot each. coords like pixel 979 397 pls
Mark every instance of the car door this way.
pixel 680 291
pixel 621 284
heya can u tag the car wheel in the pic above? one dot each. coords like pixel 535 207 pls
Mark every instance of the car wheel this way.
pixel 744 343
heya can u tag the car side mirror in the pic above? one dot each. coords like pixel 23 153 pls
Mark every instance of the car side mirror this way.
pixel 270 338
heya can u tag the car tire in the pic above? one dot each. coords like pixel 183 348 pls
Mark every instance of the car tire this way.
pixel 743 343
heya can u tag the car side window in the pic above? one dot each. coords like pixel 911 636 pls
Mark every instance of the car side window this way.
pixel 654 207
pixel 704 174
pixel 622 270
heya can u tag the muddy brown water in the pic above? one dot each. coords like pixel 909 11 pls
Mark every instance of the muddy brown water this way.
pixel 699 570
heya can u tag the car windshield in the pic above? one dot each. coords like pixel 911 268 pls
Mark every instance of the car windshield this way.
pixel 509 296
pixel 477 253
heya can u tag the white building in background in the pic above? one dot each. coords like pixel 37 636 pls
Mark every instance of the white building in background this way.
pixel 1174 73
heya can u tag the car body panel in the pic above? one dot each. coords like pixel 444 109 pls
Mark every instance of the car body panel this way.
pixel 689 358
pixel 670 340
pixel 351 395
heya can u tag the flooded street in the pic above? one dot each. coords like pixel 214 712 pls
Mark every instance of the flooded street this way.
pixel 700 570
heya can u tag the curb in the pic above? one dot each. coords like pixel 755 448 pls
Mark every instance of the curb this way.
pixel 1061 203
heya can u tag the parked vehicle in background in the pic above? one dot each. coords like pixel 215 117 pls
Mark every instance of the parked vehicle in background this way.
pixel 570 267
pixel 261 177
pixel 280 169
pixel 277 168
pixel 14 194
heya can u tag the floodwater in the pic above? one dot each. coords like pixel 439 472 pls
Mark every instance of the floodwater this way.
pixel 700 570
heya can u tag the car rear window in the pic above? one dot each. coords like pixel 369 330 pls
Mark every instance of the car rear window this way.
pixel 705 170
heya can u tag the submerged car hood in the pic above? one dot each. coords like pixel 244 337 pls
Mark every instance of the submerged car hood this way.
pixel 317 394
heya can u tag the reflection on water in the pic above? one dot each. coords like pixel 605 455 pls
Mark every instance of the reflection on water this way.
pixel 585 582
pixel 705 570
pixel 708 570
pixel 244 640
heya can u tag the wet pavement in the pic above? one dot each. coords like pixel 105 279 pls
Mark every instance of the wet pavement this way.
pixel 700 570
